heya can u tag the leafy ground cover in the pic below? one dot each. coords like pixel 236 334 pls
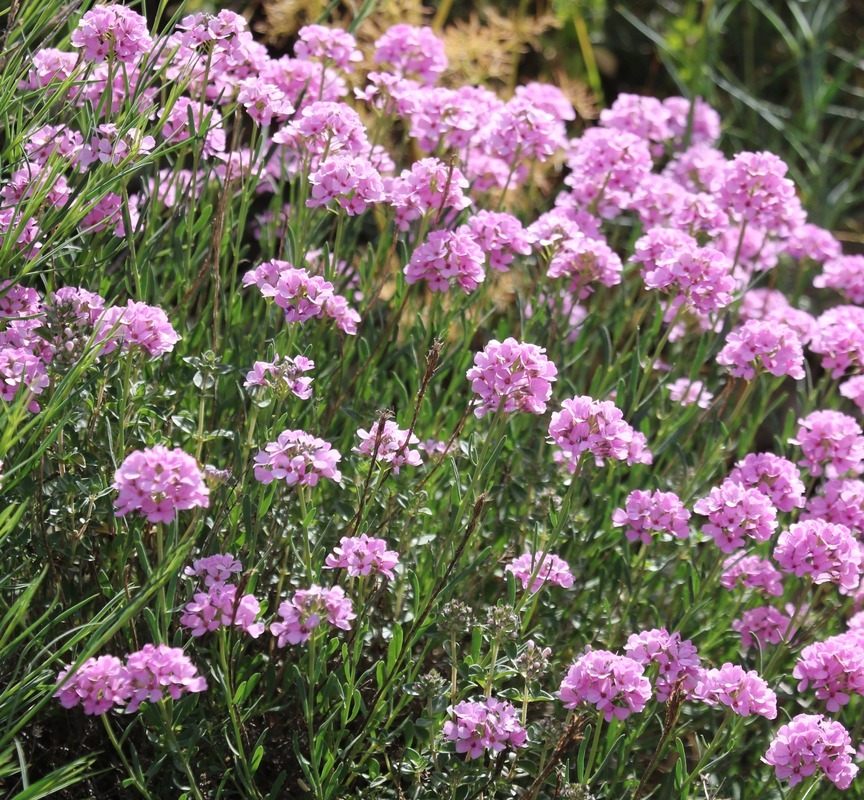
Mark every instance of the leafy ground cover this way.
pixel 371 433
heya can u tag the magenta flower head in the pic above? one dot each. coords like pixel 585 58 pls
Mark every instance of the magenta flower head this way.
pixel 412 52
pixel 677 661
pixel 222 606
pixel 841 502
pixel 854 390
pixel 511 376
pixel 363 555
pixel 831 442
pixel 824 551
pixel 320 43
pixel 447 258
pixel 350 180
pixel 283 375
pixel 548 568
pixel 839 339
pixel 758 345
pixel 135 326
pixel 112 32
pixel 297 457
pixel 743 692
pixel 645 513
pixel 735 512
pixel 501 236
pixel 763 624
pixel 488 725
pixel 615 685
pixel 776 477
pixel 159 482
pixel 215 570
pixel 156 671
pixel 752 572
pixel 846 275
pixel 98 684
pixel 390 444
pixel 834 667
pixel 810 742
pixel 307 609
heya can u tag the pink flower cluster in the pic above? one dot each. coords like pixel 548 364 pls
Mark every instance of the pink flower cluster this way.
pixel 429 187
pixel 735 512
pixel 831 442
pixel 283 375
pixel 499 235
pixel 834 668
pixel 678 662
pixel 353 181
pixel 687 392
pixel 488 725
pixel 307 609
pixel 363 555
pixel 299 458
pixel 771 346
pixel 752 572
pixel 824 551
pixel 841 502
pixel 221 605
pixel 585 425
pixel 159 482
pixel 137 325
pixel 809 742
pixel 762 625
pixel 511 376
pixel 615 685
pixel 412 51
pixel 647 512
pixel 445 258
pixel 839 339
pixel 301 295
pixel 112 32
pixel 387 442
pixel 743 692
pixel 540 568
pixel 148 675
pixel 776 477
pixel 320 43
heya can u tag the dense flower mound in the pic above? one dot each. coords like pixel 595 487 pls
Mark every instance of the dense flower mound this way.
pixel 98 685
pixel 834 668
pixel 854 390
pixel 831 442
pixel 615 685
pixel 283 375
pixel 809 742
pixel 299 458
pixel 488 725
pixel 758 345
pixel 839 339
pixel 844 274
pixel 743 692
pixel 222 606
pixel 645 513
pixel 735 512
pixel 412 52
pixel 385 441
pixel 447 258
pixel 824 551
pixel 679 665
pixel 137 326
pixel 776 477
pixel 500 236
pixel 511 376
pixel 112 32
pixel 307 609
pixel 762 626
pixel 352 181
pixel 752 572
pixel 157 671
pixel 597 427
pixel 158 483
pixel 215 570
pixel 540 568
pixel 841 501
pixel 363 555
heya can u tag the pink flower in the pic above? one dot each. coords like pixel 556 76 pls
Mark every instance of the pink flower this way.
pixel 263 100
pixel 221 606
pixel 678 662
pixel 22 371
pixel 846 275
pixel 763 345
pixel 216 570
pixel 596 427
pixel 488 725
pixel 389 443
pixel 734 512
pixel 501 236
pixel 354 182
pixel 543 567
pixel 283 375
pixel 318 42
pixel 430 186
pixel 159 482
pixel 810 742
pixel 744 692
pixel 98 684
pixel 763 625
pixel 776 477
pixel 752 572
pixel 137 325
pixel 646 117
pixel 854 390
pixel 155 671
pixel 511 376
pixel 307 609
pixel 831 442
pixel 839 339
pixel 584 260
pixel 520 130
pixel 205 120
pixel 363 555
pixel 647 512
pixel 841 502
pixel 687 392
pixel 615 685
pixel 824 551
pixel 695 115
pixel 112 32
pixel 834 667
pixel 412 51
pixel 324 128
pixel 297 458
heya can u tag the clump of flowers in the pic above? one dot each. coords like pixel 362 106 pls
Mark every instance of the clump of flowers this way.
pixel 98 685
pixel 752 572
pixel 841 501
pixel 824 551
pixel 678 662
pixel 831 442
pixel 216 570
pixel 387 442
pixel 412 51
pixel 735 512
pixel 744 692
pixel 776 477
pixel 809 742
pixel 158 483
pixel 687 392
pixel 645 513
pixel 112 32
pixel 158 670
pixel 445 258
pixel 763 624
pixel 845 274
pixel 543 568
pixel 771 346
pixel 499 235
pixel 511 376
pixel 307 609
pixel 487 725
pixel 137 326
pixel 299 458
pixel 834 668
pixel 615 685
pixel 363 555
pixel 283 375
